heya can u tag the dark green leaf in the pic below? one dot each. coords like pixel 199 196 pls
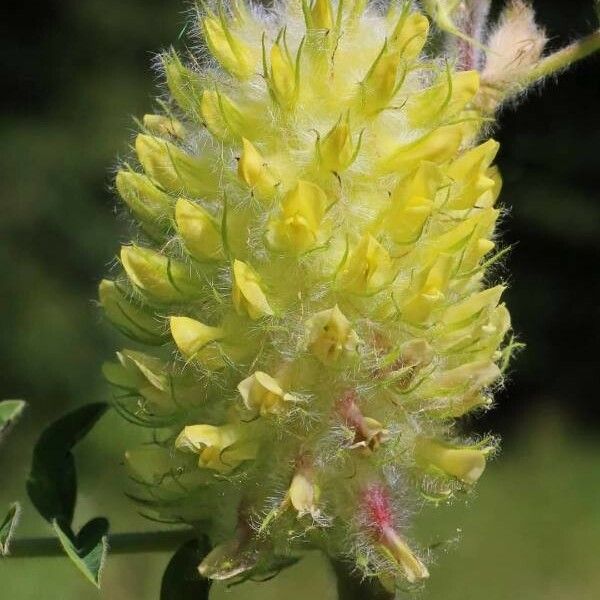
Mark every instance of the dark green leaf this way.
pixel 10 411
pixel 8 526
pixel 88 549
pixel 181 580
pixel 52 483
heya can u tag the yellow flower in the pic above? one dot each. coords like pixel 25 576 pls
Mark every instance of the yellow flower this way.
pixel 254 172
pixel 414 570
pixel 224 118
pixel 173 169
pixel 322 14
pixel 432 292
pixel 463 312
pixel 438 146
pixel 336 152
pixel 234 54
pixel 248 297
pixel 160 279
pixel 443 100
pixel 197 341
pixel 329 335
pixel 198 231
pixel 184 85
pixel 382 81
pixel 471 176
pixel 284 75
pixel 221 448
pixel 302 211
pixel 150 205
pixel 164 126
pixel 409 35
pixel 304 493
pixel 264 393
pixel 368 267
pixel 464 463
pixel 131 319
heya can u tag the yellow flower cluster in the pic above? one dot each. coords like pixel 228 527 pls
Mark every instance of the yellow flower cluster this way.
pixel 317 209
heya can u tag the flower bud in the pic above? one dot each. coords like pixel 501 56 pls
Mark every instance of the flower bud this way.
pixel 253 171
pixel 304 493
pixel 221 448
pixel 381 82
pixel 184 85
pixel 172 168
pixel 472 376
pixel 152 207
pixel 197 341
pixel 160 278
pixel 322 14
pixel 336 152
pixel 443 100
pixel 198 231
pixel 463 312
pixel 248 297
pixel 302 210
pixel 163 125
pixel 329 336
pixel 409 35
pixel 283 76
pixel 130 318
pixel 234 54
pixel 432 292
pixel 464 463
pixel 378 518
pixel 262 392
pixel 438 146
pixel 368 267
pixel 223 117
pixel 470 177
pixel 515 46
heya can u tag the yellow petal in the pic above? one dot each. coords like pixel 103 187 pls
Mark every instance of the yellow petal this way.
pixel 234 55
pixel 173 169
pixel 443 100
pixel 160 278
pixel 438 146
pixel 253 171
pixel 197 341
pixel 329 335
pixel 466 464
pixel 248 297
pixel 198 231
pixel 410 35
pixel 368 268
pixel 303 209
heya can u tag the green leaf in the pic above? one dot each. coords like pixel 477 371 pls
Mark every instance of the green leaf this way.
pixel 7 527
pixel 10 411
pixel 181 580
pixel 52 483
pixel 88 548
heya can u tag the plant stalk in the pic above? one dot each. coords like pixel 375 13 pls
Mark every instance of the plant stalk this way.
pixel 119 543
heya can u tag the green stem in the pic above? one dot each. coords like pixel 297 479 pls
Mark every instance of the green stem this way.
pixel 564 58
pixel 119 543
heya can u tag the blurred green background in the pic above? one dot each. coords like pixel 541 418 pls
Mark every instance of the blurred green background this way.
pixel 74 74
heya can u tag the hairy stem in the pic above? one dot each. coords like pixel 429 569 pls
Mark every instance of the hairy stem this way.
pixel 119 543
pixel 562 59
